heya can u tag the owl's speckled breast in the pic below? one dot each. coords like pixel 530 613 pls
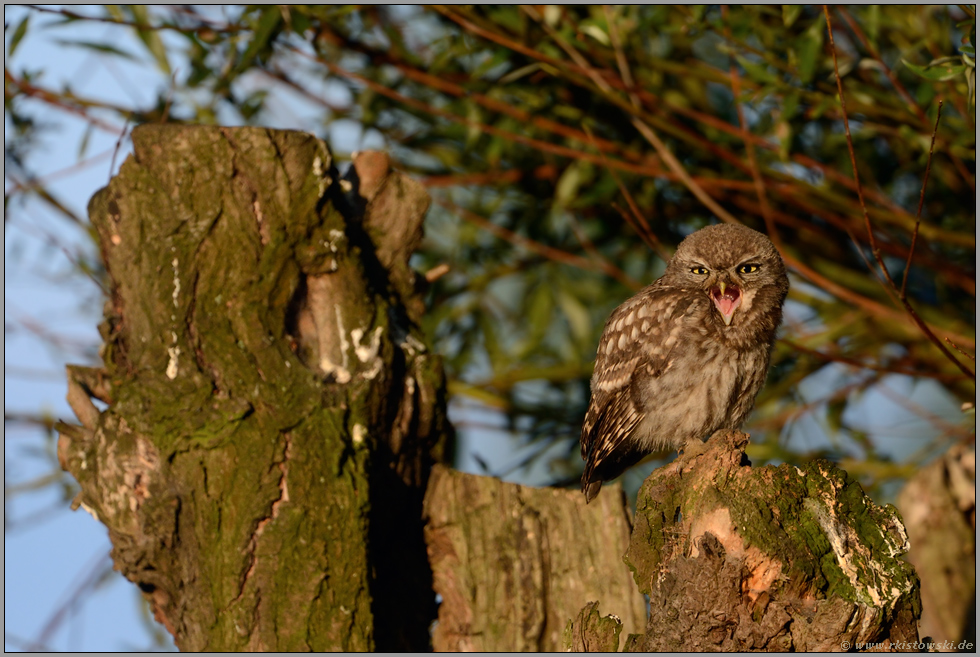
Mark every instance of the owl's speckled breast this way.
pixel 705 389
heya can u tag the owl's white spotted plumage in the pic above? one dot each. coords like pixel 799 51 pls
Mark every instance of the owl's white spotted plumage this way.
pixel 686 355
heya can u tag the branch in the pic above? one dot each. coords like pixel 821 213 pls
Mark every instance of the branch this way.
pixel 867 220
pixel 922 198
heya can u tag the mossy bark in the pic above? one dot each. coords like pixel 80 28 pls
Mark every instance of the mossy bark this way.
pixel 272 412
pixel 771 558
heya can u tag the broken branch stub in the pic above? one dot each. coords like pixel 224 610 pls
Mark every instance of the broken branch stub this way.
pixel 268 390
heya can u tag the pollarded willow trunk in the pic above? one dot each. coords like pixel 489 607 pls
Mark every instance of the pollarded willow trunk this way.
pixel 272 412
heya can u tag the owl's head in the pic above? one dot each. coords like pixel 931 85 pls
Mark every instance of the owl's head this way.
pixel 738 268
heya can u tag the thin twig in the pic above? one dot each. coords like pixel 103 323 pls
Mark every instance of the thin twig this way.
pixel 642 229
pixel 896 83
pixel 922 198
pixel 77 106
pixel 639 220
pixel 542 146
pixel 621 62
pixel 648 133
pixel 872 240
pixel 602 261
pixel 674 164
pixel 854 362
pixel 902 91
pixel 967 354
pixel 115 152
pixel 549 252
pixel 760 190
pixel 867 220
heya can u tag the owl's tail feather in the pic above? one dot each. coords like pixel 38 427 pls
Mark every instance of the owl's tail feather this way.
pixel 606 461
pixel 590 488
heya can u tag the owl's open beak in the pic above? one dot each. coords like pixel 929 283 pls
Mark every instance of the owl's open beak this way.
pixel 727 299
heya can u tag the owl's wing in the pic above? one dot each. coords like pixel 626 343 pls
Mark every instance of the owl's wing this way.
pixel 636 346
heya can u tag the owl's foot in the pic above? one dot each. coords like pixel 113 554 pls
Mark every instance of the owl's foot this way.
pixel 692 448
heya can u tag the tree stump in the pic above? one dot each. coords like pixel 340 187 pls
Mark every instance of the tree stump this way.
pixel 737 558
pixel 513 563
pixel 939 505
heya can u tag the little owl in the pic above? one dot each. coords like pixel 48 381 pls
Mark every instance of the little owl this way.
pixel 685 356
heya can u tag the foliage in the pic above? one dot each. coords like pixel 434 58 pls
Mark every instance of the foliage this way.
pixel 569 149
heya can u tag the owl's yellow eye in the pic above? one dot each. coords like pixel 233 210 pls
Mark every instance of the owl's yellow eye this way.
pixel 747 269
pixel 701 271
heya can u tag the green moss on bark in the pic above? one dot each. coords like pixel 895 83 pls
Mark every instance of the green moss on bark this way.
pixel 793 542
pixel 255 378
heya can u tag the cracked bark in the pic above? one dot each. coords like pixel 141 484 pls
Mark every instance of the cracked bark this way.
pixel 273 414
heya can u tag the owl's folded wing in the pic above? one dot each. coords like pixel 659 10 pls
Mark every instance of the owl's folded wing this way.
pixel 635 347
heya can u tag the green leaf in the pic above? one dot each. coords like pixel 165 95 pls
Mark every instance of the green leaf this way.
pixel 473 130
pixel 873 24
pixel 268 22
pixel 518 73
pixel 150 37
pixel 568 185
pixel 791 13
pixel 577 315
pixel 107 48
pixel 790 102
pixel 945 70
pixel 86 136
pixel 809 46
pixel 538 309
pixel 19 33
pixel 757 72
pixel 596 33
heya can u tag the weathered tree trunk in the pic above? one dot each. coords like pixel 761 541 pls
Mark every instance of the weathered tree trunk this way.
pixel 513 564
pixel 939 505
pixel 273 413
pixel 771 558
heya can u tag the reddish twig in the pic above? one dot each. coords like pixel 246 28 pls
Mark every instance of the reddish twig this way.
pixel 902 91
pixel 624 70
pixel 79 109
pixel 867 220
pixel 760 190
pixel 642 229
pixel 639 222
pixel 549 252
pixel 542 146
pixel 899 87
pixel 600 259
pixel 853 362
pixel 872 240
pixel 967 354
pixel 922 198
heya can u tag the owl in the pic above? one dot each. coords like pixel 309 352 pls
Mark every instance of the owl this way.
pixel 685 356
